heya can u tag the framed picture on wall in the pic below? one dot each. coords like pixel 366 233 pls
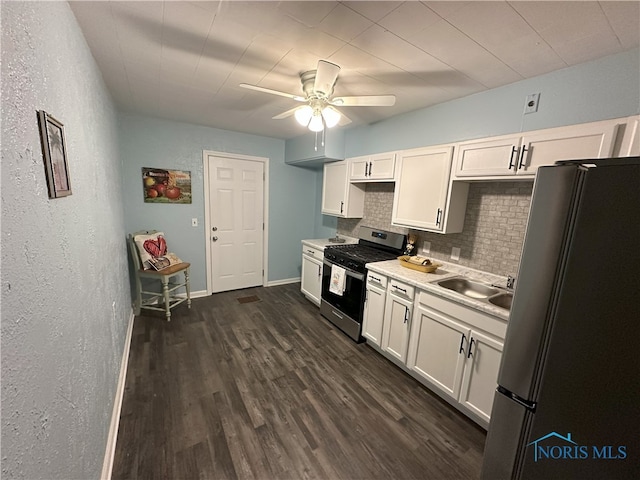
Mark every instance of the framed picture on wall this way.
pixel 161 185
pixel 54 153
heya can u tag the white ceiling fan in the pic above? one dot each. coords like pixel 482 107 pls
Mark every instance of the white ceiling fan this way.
pixel 319 109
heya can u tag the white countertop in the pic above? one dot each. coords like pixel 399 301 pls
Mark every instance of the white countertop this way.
pixel 320 243
pixel 424 281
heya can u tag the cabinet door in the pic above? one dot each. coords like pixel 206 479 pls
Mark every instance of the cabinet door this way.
pixel 358 168
pixel 421 188
pixel 480 377
pixel 334 188
pixel 438 350
pixel 495 157
pixel 630 142
pixel 373 314
pixel 590 140
pixel 311 281
pixel 397 323
pixel 382 167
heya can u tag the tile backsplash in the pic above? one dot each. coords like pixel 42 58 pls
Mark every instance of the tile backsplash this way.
pixel 494 224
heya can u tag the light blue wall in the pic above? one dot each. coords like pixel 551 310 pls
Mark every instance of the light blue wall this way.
pixel 598 90
pixel 65 291
pixel 149 142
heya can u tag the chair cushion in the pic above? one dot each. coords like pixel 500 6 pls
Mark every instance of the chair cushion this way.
pixel 148 244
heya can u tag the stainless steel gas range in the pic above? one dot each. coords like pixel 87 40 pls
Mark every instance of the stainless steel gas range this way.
pixel 345 264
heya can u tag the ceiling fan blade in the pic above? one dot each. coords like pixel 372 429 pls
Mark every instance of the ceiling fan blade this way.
pixel 364 101
pixel 273 92
pixel 326 76
pixel 286 114
pixel 344 120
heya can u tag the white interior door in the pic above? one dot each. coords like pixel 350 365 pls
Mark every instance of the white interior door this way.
pixel 236 223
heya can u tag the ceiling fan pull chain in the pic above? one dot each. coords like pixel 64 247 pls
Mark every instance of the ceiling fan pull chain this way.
pixel 323 130
pixel 316 144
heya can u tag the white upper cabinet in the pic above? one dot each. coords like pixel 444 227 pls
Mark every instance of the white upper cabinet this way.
pixel 521 155
pixel 424 197
pixel 341 198
pixel 372 168
pixel 489 157
pixel 630 138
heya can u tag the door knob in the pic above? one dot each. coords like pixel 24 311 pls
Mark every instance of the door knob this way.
pixel 214 238
pixel 215 229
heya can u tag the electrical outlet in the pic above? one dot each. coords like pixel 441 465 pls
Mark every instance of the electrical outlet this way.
pixel 455 253
pixel 426 247
pixel 531 103
pixel 194 222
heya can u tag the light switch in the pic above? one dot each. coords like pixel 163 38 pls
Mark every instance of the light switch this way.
pixel 426 247
pixel 455 253
pixel 194 222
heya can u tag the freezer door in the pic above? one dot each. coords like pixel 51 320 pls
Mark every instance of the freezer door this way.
pixel 505 446
pixel 550 217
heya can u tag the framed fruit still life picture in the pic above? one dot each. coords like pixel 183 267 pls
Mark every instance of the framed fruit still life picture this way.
pixel 166 186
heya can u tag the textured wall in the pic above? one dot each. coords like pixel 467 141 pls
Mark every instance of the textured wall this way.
pixel 65 293
pixel 494 225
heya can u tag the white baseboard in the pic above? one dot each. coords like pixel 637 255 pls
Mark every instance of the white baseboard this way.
pixel 107 465
pixel 285 281
pixel 199 293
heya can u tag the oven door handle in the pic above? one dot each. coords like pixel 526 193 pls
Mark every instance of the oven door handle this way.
pixel 349 273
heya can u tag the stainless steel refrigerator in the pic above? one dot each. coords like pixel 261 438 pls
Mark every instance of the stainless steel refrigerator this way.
pixel 568 400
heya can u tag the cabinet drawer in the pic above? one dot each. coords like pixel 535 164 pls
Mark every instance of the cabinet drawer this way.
pixel 401 289
pixel 374 278
pixel 313 252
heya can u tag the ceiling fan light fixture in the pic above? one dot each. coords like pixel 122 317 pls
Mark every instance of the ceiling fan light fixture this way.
pixel 331 116
pixel 317 123
pixel 303 115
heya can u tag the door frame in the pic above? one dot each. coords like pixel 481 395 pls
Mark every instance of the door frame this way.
pixel 207 218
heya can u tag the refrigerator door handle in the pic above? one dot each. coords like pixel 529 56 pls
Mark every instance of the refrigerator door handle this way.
pixel 528 404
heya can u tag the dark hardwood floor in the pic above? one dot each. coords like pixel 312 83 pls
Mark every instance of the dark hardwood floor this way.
pixel 256 384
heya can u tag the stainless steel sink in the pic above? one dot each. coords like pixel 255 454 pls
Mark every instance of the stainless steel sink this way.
pixel 503 300
pixel 468 288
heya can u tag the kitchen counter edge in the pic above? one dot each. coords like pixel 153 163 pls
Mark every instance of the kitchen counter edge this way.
pixel 320 243
pixel 424 281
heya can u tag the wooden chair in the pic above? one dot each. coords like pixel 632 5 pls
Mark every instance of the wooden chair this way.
pixel 166 298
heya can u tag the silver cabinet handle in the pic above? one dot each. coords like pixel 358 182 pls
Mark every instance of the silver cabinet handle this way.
pixel 524 151
pixel 438 215
pixel 514 151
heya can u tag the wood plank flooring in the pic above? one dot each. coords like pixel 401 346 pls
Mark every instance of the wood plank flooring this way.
pixel 256 384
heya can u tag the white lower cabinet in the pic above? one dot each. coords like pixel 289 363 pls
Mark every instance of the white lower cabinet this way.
pixel 311 275
pixel 438 351
pixel 397 320
pixel 454 356
pixel 479 379
pixel 373 318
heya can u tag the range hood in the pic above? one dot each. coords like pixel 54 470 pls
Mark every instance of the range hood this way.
pixel 308 151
